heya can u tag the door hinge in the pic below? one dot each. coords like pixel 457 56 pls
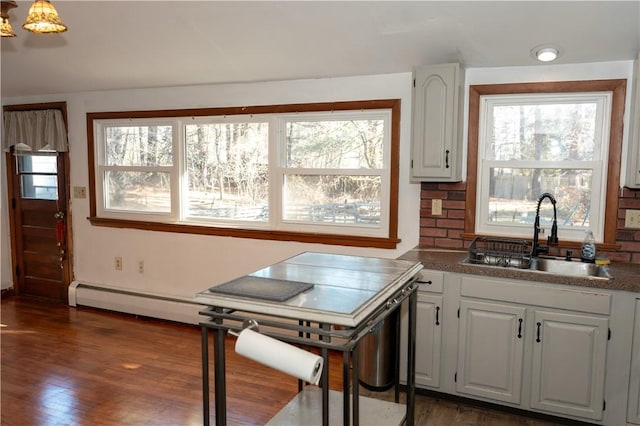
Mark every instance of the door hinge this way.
pixel 604 405
pixel 412 164
pixel 13 203
pixel 17 271
pixel 609 335
pixel 458 312
pixel 455 377
pixel 414 82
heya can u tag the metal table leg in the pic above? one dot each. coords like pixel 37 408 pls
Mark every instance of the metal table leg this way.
pixel 205 375
pixel 411 358
pixel 345 388
pixel 396 357
pixel 220 382
pixel 324 352
pixel 356 387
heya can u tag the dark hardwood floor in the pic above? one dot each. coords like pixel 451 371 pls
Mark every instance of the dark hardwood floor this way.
pixel 80 366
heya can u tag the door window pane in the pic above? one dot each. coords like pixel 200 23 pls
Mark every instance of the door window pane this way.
pixel 38 176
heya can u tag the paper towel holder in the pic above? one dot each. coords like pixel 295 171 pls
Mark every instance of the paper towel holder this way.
pixel 250 324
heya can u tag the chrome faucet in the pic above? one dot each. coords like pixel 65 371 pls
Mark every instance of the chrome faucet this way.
pixel 536 249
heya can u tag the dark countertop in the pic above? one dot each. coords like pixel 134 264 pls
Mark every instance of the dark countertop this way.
pixel 626 276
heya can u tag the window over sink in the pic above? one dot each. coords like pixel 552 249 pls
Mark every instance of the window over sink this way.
pixel 527 139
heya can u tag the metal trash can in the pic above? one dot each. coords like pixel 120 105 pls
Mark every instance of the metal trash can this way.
pixel 376 355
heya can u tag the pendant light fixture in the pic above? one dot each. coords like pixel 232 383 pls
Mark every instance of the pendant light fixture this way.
pixel 42 18
pixel 5 27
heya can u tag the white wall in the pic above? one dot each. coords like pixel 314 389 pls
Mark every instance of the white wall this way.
pixel 180 265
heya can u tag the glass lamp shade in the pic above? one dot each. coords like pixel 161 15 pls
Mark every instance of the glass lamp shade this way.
pixel 43 18
pixel 5 28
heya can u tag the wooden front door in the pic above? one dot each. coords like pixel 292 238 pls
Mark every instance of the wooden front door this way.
pixel 38 201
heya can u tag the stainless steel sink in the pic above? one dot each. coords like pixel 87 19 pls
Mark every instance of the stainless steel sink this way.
pixel 552 265
pixel 572 268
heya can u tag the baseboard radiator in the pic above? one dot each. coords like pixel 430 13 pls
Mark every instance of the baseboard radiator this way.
pixel 136 303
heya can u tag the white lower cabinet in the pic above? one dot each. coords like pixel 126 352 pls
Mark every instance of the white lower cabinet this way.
pixel 568 368
pixel 490 349
pixel 428 340
pixel 568 349
pixel 633 413
pixel 551 348
pixel 429 317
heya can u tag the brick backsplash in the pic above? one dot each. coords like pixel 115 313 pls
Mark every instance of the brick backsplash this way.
pixel 445 231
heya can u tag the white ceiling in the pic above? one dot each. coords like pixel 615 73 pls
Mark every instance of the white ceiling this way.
pixel 134 44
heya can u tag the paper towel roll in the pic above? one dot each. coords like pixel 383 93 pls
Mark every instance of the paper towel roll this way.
pixel 280 356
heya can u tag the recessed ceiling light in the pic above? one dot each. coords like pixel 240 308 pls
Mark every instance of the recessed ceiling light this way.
pixel 545 53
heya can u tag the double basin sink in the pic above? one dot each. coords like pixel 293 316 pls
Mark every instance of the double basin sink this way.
pixel 558 266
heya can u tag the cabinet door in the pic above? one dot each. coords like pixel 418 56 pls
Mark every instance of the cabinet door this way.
pixel 490 350
pixel 633 414
pixel 569 364
pixel 428 340
pixel 435 121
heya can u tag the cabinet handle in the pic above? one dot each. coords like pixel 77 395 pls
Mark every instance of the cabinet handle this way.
pixel 437 315
pixel 538 332
pixel 519 328
pixel 446 159
pixel 425 282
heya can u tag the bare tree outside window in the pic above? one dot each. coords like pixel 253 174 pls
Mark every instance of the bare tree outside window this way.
pixel 228 170
pixel 328 177
pixel 136 156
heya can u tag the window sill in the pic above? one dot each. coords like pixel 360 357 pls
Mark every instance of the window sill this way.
pixel 303 237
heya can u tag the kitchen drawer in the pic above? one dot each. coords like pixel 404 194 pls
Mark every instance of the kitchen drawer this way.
pixel 431 281
pixel 532 293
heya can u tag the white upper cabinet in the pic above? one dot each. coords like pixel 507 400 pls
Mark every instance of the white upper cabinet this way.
pixel 633 169
pixel 435 136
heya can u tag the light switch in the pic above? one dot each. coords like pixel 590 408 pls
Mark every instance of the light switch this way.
pixel 632 219
pixel 79 192
pixel 436 207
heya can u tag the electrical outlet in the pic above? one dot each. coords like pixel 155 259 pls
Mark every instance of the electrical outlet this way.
pixel 118 263
pixel 436 207
pixel 632 219
pixel 141 266
pixel 79 192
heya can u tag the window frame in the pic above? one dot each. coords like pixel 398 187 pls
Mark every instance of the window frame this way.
pixel 598 165
pixel 617 87
pixel 172 170
pixel 388 241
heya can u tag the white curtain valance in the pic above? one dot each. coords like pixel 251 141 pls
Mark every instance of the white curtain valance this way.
pixel 40 130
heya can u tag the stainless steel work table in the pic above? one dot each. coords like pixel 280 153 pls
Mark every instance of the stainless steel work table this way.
pixel 351 294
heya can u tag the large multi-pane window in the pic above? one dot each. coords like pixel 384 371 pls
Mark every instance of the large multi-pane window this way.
pixel 536 143
pixel 324 172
